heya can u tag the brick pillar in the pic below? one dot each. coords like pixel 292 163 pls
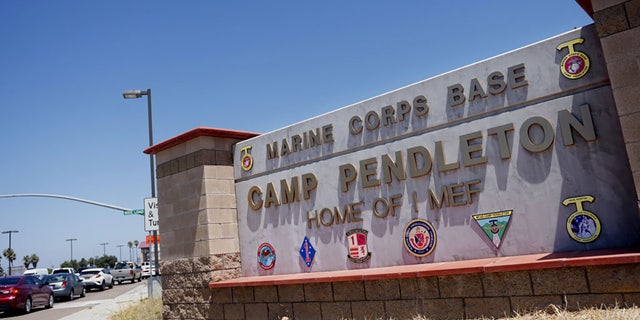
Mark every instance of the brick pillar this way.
pixel 618 26
pixel 198 218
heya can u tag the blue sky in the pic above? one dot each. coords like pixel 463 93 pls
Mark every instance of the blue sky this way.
pixel 244 65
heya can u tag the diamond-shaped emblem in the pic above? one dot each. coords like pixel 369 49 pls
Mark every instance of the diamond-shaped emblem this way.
pixel 307 252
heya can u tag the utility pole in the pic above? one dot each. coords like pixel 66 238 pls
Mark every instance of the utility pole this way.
pixel 71 242
pixel 120 247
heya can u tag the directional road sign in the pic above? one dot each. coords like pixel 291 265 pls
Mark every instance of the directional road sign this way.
pixel 151 214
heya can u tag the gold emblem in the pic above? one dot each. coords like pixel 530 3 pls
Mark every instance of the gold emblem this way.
pixel 246 160
pixel 582 226
pixel 575 64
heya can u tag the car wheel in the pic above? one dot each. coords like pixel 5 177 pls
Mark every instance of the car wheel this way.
pixel 70 297
pixel 27 305
pixel 111 285
pixel 119 281
pixel 84 292
pixel 102 286
pixel 50 303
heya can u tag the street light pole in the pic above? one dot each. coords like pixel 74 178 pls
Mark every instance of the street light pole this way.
pixel 104 248
pixel 134 94
pixel 71 243
pixel 120 247
pixel 10 232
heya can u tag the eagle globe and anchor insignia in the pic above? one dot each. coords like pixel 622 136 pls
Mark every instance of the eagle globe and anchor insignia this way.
pixel 246 160
pixel 420 237
pixel 575 64
pixel 358 250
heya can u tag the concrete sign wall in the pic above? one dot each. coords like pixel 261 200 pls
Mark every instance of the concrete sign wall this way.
pixel 518 154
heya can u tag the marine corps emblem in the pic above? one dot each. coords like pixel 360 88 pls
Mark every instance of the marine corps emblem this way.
pixel 575 64
pixel 358 250
pixel 582 226
pixel 419 237
pixel 266 256
pixel 246 160
pixel 307 252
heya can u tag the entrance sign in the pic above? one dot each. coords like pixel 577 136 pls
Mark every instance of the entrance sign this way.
pixel 441 170
pixel 151 214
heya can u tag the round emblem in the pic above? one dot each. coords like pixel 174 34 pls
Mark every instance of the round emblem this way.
pixel 420 237
pixel 247 162
pixel 583 226
pixel 266 256
pixel 574 65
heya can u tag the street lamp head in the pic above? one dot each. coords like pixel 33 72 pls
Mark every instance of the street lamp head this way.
pixel 134 94
pixel 10 231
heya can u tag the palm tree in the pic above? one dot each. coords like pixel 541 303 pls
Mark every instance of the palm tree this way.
pixel 130 245
pixel 10 255
pixel 136 243
pixel 34 260
pixel 26 260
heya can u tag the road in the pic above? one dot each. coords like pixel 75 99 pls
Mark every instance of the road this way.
pixel 93 300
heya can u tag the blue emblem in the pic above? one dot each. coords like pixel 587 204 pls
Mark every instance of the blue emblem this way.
pixel 266 256
pixel 307 252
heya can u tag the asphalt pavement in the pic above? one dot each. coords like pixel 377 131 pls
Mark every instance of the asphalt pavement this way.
pixel 108 308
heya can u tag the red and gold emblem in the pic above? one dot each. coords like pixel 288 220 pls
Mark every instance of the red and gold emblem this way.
pixel 575 64
pixel 246 159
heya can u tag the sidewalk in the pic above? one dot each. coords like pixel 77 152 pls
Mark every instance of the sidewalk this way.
pixel 106 309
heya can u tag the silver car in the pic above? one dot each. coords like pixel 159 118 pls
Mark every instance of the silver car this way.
pixel 65 285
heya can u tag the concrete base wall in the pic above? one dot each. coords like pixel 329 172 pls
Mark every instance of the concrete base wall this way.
pixel 198 223
pixel 437 297
pixel 618 26
pixel 185 292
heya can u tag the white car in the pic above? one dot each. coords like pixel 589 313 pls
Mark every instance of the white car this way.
pixel 96 278
pixel 148 270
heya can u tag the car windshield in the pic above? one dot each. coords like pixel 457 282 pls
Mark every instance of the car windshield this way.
pixel 57 278
pixel 9 281
pixel 89 272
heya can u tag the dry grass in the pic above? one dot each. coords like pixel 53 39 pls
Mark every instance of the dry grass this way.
pixel 151 309
pixel 148 309
pixel 555 313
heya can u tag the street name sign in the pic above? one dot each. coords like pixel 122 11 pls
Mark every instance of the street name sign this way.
pixel 134 212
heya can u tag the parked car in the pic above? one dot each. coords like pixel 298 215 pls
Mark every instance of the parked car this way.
pixel 126 271
pixel 38 272
pixel 64 270
pixel 97 278
pixel 148 270
pixel 24 293
pixel 65 285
